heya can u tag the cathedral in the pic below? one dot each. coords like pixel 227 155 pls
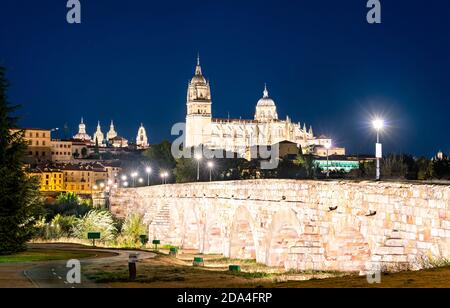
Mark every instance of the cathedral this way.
pixel 111 139
pixel 237 135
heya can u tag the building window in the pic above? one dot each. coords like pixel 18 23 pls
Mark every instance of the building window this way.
pixel 37 142
pixel 43 143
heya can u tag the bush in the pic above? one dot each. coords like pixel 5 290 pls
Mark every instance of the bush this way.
pixel 59 226
pixel 96 221
pixel 68 204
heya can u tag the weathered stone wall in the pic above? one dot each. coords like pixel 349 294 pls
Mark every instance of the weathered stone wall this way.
pixel 335 225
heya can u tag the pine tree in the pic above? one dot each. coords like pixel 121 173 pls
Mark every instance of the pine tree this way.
pixel 19 196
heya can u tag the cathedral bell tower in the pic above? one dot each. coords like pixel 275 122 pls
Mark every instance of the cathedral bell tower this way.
pixel 198 118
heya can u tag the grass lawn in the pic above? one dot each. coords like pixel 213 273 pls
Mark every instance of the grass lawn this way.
pixel 169 272
pixel 35 255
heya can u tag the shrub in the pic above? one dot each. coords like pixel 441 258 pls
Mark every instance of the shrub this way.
pixel 96 221
pixel 134 226
pixel 68 204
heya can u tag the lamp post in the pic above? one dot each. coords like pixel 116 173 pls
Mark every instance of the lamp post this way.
pixel 328 146
pixel 378 125
pixel 148 170
pixel 141 180
pixel 198 157
pixel 164 175
pixel 210 166
pixel 133 176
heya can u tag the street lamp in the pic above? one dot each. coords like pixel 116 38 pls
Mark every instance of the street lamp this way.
pixel 95 187
pixel 378 125
pixel 133 176
pixel 102 185
pixel 198 157
pixel 210 166
pixel 124 177
pixel 141 180
pixel 148 170
pixel 164 175
pixel 125 184
pixel 328 146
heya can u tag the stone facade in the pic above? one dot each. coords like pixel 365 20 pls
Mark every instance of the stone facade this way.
pixel 329 225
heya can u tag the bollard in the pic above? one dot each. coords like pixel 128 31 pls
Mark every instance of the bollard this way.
pixel 173 251
pixel 234 268
pixel 198 261
pixel 132 265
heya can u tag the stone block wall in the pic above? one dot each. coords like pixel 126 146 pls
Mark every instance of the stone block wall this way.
pixel 320 225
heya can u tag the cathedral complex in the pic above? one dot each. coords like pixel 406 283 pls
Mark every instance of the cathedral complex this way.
pixel 111 139
pixel 239 135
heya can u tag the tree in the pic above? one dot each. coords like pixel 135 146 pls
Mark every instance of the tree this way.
pixel 423 168
pixel 186 170
pixel 83 152
pixel 19 196
pixel 160 156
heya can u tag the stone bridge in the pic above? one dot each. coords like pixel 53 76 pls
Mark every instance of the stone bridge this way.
pixel 319 225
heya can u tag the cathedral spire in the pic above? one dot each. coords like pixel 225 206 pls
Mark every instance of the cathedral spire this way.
pixel 265 92
pixel 198 68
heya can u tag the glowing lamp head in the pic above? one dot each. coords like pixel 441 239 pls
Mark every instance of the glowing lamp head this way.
pixel 134 174
pixel 148 170
pixel 124 177
pixel 378 124
pixel 198 157
pixel 95 187
pixel 328 146
pixel 210 164
pixel 102 185
pixel 141 180
pixel 125 184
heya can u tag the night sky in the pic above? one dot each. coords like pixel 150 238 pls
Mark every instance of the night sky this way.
pixel 324 64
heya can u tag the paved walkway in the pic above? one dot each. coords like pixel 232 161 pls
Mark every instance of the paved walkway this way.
pixel 52 274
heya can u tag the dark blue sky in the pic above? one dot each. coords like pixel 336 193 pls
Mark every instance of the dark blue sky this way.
pixel 130 61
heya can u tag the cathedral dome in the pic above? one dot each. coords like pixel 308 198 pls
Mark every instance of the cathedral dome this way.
pixel 265 100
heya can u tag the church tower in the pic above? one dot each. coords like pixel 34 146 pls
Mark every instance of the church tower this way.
pixel 112 132
pixel 141 139
pixel 82 135
pixel 98 135
pixel 198 118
